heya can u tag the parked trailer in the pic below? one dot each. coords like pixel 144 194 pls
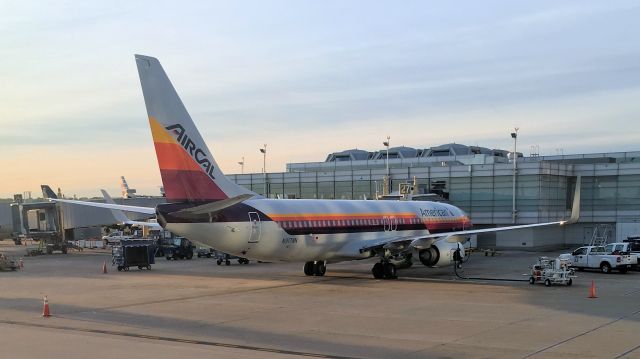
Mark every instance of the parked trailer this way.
pixel 134 252
pixel 226 258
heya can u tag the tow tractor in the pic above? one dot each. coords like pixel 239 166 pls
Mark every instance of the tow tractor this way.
pixel 552 271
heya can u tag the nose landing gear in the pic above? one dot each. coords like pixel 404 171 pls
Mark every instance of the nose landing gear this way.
pixel 317 268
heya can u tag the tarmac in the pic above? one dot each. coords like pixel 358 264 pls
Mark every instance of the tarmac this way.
pixel 192 308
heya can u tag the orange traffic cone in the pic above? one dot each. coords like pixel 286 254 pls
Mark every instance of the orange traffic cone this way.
pixel 21 263
pixel 104 267
pixel 45 310
pixel 592 291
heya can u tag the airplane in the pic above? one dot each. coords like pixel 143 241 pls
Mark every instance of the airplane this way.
pixel 125 191
pixel 123 219
pixel 208 208
pixel 47 192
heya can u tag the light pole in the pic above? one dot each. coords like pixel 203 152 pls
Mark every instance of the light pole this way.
pixel 264 158
pixel 264 167
pixel 386 143
pixel 514 135
pixel 241 163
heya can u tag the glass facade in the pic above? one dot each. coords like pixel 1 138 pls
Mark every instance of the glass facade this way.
pixel 544 190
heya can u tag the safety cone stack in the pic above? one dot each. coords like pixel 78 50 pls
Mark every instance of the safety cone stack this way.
pixel 45 310
pixel 21 263
pixel 592 291
pixel 104 267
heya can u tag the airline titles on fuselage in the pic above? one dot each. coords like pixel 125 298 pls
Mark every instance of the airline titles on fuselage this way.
pixel 435 213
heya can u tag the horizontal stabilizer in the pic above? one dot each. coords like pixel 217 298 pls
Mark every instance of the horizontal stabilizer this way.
pixel 216 206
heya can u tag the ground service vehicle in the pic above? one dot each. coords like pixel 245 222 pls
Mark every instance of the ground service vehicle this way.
pixel 634 247
pixel 226 258
pixel 206 252
pixel 7 264
pixel 114 237
pixel 598 257
pixel 180 248
pixel 625 248
pixel 552 271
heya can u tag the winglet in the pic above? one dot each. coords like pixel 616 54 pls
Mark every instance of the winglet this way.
pixel 575 209
pixel 117 214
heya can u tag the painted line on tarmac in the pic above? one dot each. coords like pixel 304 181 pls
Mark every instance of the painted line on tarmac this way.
pixel 627 352
pixel 176 340
pixel 583 334
pixel 632 292
pixel 199 296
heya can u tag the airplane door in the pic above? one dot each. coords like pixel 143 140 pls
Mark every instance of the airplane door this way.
pixel 254 218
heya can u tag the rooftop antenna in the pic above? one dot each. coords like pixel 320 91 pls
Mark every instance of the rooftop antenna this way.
pixel 534 151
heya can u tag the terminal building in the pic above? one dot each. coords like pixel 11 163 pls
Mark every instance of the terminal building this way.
pixel 480 181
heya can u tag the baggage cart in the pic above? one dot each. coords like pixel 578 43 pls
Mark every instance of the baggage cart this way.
pixel 226 258
pixel 133 253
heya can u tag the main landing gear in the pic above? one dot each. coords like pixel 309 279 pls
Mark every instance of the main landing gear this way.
pixel 317 268
pixel 384 270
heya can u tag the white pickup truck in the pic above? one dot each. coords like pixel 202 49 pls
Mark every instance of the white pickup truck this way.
pixel 602 257
pixel 115 237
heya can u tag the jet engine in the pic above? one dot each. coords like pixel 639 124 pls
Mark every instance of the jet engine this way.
pixel 441 253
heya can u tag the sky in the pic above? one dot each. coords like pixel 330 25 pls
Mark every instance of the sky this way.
pixel 308 78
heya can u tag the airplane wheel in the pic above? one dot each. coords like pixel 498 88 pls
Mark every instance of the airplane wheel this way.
pixel 377 271
pixel 389 271
pixel 308 268
pixel 319 269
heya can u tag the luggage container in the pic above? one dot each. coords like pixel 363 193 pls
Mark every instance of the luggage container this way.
pixel 134 253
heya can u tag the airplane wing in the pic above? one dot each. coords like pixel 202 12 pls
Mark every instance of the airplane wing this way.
pixel 117 214
pixel 425 241
pixel 122 218
pixel 137 209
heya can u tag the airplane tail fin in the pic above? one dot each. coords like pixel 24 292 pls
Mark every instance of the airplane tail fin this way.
pixel 189 171
pixel 47 192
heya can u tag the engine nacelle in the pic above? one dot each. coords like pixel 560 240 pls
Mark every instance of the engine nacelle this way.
pixel 441 253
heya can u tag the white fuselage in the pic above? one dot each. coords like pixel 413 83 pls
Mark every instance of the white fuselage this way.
pixel 329 230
